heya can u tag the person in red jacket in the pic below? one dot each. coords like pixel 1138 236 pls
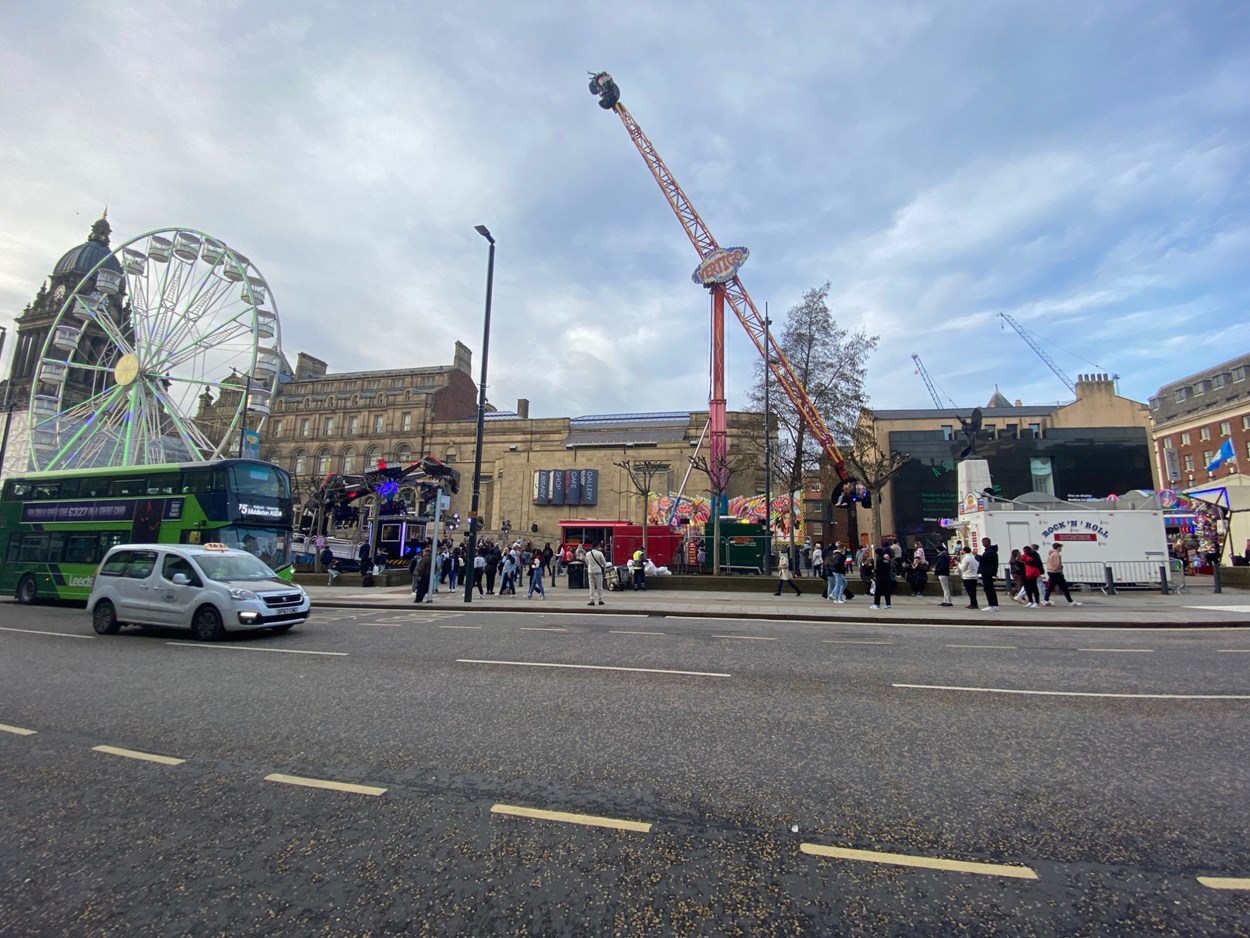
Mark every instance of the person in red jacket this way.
pixel 1032 570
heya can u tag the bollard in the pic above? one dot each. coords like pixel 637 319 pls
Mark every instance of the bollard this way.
pixel 1108 580
pixel 1163 577
pixel 1215 577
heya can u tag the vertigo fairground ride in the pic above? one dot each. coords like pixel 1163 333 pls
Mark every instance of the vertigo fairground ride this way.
pixel 141 345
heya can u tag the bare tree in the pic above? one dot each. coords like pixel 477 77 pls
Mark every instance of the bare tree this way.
pixel 830 363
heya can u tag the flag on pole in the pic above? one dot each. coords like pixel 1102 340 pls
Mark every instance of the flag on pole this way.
pixel 1224 454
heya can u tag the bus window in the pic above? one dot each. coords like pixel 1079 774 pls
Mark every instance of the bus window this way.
pixel 128 487
pixel 94 488
pixel 258 479
pixel 203 481
pixel 47 490
pixel 34 548
pixel 17 488
pixel 69 488
pixel 82 548
pixel 162 485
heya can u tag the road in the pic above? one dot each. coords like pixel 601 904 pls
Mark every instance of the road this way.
pixel 514 773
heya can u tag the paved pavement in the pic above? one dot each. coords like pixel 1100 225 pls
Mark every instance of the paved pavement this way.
pixel 1196 606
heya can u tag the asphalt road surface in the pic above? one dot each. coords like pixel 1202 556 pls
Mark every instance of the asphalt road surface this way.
pixel 485 773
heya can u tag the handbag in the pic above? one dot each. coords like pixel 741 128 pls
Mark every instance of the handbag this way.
pixel 872 587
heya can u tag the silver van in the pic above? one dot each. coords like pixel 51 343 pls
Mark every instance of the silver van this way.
pixel 208 587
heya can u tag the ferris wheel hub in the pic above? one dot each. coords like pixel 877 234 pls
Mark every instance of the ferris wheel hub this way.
pixel 126 370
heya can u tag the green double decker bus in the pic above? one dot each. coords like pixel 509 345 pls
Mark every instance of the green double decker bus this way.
pixel 56 526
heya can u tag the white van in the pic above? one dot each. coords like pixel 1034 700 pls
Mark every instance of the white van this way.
pixel 209 588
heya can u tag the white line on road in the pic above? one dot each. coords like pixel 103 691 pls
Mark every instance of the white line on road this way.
pixel 16 730
pixel 284 651
pixel 541 628
pixel 324 783
pixel 1224 882
pixel 590 667
pixel 1067 693
pixel 981 646
pixel 459 626
pixel 590 820
pixel 1233 651
pixel 1126 651
pixel 136 754
pixel 928 863
pixel 36 632
pixel 631 632
pixel 852 641
pixel 748 638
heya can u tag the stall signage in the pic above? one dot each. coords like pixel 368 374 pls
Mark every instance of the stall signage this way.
pixel 720 266
pixel 1075 531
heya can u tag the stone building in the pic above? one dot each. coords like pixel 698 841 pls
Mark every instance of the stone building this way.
pixel 323 422
pixel 1097 445
pixel 1192 417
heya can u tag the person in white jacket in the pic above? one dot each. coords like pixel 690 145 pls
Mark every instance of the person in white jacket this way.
pixel 969 571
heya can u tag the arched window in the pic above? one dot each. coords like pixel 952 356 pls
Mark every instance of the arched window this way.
pixel 403 454
pixel 349 461
pixel 299 462
pixel 371 457
pixel 323 462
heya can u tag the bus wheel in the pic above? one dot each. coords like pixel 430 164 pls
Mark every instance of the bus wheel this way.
pixel 206 626
pixel 104 618
pixel 26 590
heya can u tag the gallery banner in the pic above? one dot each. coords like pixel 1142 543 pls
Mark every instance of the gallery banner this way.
pixel 566 486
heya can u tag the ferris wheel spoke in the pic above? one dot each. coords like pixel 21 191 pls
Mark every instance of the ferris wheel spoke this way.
pixel 88 426
pixel 196 442
pixel 221 336
pixel 115 335
pixel 177 313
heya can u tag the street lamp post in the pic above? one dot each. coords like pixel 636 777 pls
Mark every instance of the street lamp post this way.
pixel 474 520
pixel 768 449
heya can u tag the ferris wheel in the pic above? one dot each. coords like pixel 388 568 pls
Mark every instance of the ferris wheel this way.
pixel 156 356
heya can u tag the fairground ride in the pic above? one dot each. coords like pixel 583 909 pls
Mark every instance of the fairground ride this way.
pixel 718 272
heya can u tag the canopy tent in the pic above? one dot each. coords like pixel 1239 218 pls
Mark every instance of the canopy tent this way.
pixel 1232 496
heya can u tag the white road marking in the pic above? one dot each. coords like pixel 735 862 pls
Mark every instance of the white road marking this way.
pixel 631 632
pixel 325 784
pixel 590 820
pixel 590 667
pixel 852 641
pixel 981 646
pixel 541 628
pixel 1233 651
pixel 135 754
pixel 37 632
pixel 16 730
pixel 1224 882
pixel 284 651
pixel 459 626
pixel 1067 693
pixel 1242 609
pixel 747 638
pixel 1125 651
pixel 928 863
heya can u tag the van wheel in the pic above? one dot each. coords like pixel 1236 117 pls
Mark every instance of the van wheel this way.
pixel 206 625
pixel 104 618
pixel 27 592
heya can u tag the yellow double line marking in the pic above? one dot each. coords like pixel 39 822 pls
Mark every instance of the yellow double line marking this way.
pixel 928 863
pixel 589 820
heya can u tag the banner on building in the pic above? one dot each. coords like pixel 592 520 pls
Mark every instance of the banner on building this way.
pixel 566 486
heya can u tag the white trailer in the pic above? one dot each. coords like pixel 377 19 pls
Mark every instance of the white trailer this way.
pixel 1097 537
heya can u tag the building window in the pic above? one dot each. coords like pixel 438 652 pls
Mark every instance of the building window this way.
pixel 1154 403
pixel 371 457
pixel 1207 456
pixel 1189 462
pixel 1037 430
pixel 353 425
pixel 1245 423
pixel 1226 428
pixel 1239 373
pixel 1182 395
pixel 1200 387
pixel 1204 434
pixel 1167 442
pixel 323 462
pixel 1248 449
pixel 1186 438
pixel 277 428
pixel 328 426
pixel 299 464
pixel 1219 381
pixel 405 422
pixel 403 453
pixel 304 427
pixel 349 461
pixel 377 423
pixel 948 431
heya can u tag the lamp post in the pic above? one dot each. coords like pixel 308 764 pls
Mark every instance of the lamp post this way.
pixel 768 449
pixel 474 521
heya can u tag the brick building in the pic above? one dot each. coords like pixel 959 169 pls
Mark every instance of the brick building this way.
pixel 1193 416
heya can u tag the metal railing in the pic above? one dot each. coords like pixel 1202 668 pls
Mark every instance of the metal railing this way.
pixel 1110 575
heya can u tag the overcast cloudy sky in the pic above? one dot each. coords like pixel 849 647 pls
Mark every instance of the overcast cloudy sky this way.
pixel 1082 166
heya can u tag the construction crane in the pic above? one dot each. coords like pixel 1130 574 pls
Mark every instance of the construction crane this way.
pixel 1028 337
pixel 718 272
pixel 928 382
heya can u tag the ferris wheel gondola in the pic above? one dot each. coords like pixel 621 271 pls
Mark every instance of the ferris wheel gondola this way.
pixel 140 346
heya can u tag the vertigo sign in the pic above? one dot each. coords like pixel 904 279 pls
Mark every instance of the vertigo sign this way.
pixel 720 266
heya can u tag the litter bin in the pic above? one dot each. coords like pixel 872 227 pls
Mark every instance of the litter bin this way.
pixel 577 575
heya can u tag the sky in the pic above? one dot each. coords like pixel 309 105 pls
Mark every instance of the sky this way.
pixel 1082 166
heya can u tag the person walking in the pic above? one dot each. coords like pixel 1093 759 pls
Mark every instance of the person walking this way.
pixel 508 585
pixel 968 573
pixel 942 570
pixel 1054 576
pixel 420 567
pixel 818 560
pixel 988 565
pixel 1015 567
pixel 785 577
pixel 883 579
pixel 492 569
pixel 479 572
pixel 536 577
pixel 1032 572
pixel 835 574
pixel 597 567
